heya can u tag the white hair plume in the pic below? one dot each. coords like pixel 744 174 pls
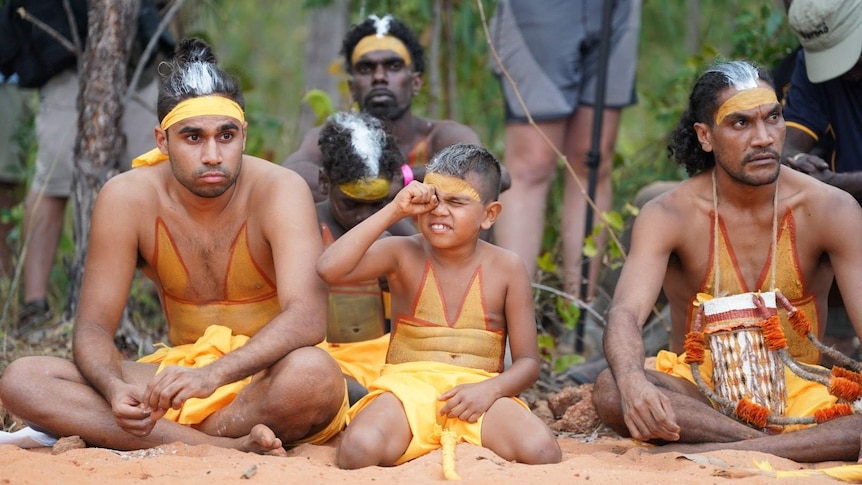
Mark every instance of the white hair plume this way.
pixel 381 24
pixel 367 141
pixel 198 78
pixel 739 74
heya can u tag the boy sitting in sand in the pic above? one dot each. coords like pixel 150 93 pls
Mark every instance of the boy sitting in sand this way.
pixel 455 300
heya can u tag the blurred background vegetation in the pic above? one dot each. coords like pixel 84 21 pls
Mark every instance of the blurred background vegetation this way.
pixel 272 44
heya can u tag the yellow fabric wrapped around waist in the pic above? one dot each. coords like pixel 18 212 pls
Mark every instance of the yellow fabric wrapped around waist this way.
pixel 417 385
pixel 465 347
pixel 803 397
pixel 362 361
pixel 216 341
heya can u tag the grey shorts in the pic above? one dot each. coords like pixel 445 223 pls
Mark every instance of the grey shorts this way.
pixel 56 131
pixel 16 113
pixel 550 48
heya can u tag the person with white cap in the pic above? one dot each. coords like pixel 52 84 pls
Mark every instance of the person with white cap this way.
pixel 825 96
pixel 825 102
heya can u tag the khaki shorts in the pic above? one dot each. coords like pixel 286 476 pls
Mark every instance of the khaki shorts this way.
pixel 551 51
pixel 56 131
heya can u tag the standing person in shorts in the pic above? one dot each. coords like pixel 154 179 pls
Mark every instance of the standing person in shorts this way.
pixel 56 132
pixel 15 106
pixel 556 76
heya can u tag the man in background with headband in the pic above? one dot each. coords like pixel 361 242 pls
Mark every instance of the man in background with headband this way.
pixel 386 62
pixel 740 223
pixel 231 243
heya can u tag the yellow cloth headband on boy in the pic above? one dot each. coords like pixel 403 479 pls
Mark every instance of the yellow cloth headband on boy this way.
pixel 366 189
pixel 745 100
pixel 189 108
pixel 376 42
pixel 451 185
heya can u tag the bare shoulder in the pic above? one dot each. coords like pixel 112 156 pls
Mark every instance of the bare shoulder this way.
pixel 450 132
pixel 679 202
pixel 269 176
pixel 501 260
pixel 815 201
pixel 308 150
pixel 134 187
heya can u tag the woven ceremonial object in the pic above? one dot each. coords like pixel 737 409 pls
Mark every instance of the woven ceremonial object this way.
pixel 743 365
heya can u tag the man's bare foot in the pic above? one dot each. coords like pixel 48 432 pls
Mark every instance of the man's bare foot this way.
pixel 261 440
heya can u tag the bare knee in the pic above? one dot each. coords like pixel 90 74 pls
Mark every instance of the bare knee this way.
pixel 540 449
pixel 359 448
pixel 532 174
pixel 20 376
pixel 308 385
pixel 606 400
pixel 26 380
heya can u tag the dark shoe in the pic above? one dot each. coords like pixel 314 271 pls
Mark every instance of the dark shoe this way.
pixel 32 317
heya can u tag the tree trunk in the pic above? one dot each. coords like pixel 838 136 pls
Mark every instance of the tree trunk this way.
pixel 327 26
pixel 692 33
pixel 101 143
pixel 432 66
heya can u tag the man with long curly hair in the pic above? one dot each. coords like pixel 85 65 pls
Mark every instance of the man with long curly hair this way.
pixel 741 223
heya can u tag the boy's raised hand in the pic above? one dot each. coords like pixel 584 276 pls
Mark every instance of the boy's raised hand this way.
pixel 416 198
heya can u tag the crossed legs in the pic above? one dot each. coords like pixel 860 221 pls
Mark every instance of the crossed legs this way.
pixel 281 405
pixel 702 428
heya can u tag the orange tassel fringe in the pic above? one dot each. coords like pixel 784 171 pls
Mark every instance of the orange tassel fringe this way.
pixel 847 374
pixel 832 412
pixel 694 348
pixel 843 388
pixel 753 413
pixel 773 334
pixel 799 322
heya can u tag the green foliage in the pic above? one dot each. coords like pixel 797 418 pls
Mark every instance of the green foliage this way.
pixel 762 35
pixel 263 44
pixel 320 104
pixel 558 362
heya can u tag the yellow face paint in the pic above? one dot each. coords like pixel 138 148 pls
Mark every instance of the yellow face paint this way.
pixel 451 185
pixel 366 189
pixel 745 100
pixel 189 108
pixel 376 42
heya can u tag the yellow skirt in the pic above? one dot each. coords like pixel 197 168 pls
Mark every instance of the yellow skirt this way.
pixel 418 385
pixel 216 341
pixel 362 361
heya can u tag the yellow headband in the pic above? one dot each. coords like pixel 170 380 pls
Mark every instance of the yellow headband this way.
pixel 202 106
pixel 745 100
pixel 366 189
pixel 376 42
pixel 451 185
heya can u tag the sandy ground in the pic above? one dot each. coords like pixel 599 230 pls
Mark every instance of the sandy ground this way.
pixel 603 460
pixel 591 454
